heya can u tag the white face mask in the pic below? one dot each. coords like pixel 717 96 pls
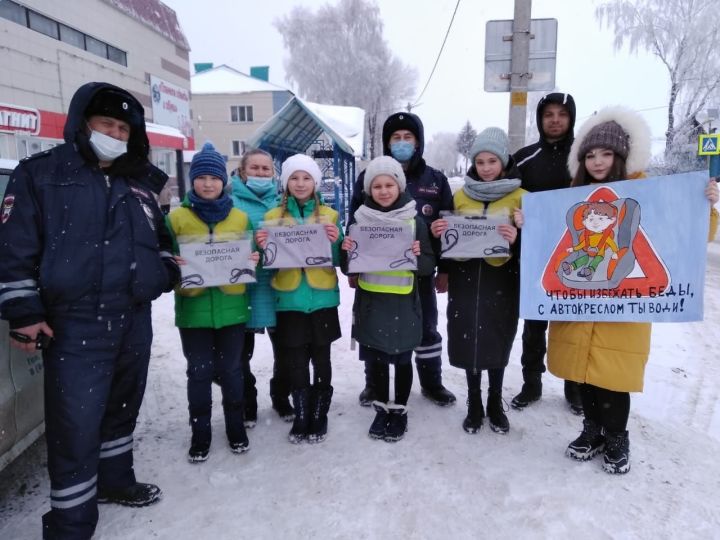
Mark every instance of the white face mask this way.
pixel 106 148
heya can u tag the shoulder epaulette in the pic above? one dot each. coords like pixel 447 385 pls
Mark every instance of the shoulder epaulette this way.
pixel 36 156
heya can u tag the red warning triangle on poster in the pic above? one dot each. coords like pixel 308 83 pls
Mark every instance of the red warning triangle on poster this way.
pixel 654 276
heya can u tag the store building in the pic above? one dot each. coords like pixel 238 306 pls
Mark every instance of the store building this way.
pixel 49 49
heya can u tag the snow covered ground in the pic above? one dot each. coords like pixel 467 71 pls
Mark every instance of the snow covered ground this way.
pixel 439 482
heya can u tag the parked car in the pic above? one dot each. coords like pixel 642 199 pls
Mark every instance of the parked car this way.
pixel 21 381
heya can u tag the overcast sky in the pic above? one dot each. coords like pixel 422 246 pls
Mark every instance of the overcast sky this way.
pixel 241 34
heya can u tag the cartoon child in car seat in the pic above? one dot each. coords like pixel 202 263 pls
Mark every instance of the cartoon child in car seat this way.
pixel 597 235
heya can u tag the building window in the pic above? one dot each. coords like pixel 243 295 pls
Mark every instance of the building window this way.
pixel 117 56
pixel 96 46
pixel 13 12
pixel 238 148
pixel 72 36
pixel 241 113
pixel 42 24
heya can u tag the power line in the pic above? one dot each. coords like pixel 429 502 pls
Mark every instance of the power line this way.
pixel 438 56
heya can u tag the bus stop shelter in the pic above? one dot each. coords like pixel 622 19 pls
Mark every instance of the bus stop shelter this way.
pixel 333 135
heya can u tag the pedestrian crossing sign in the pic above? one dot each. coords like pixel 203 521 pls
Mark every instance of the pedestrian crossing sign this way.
pixel 709 145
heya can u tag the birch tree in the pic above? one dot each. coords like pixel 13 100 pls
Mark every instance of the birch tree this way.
pixel 684 36
pixel 337 55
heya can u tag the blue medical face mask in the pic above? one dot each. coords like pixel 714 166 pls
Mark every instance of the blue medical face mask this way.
pixel 402 150
pixel 260 186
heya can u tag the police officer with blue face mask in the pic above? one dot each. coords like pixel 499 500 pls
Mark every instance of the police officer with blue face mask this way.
pixel 403 138
pixel 85 252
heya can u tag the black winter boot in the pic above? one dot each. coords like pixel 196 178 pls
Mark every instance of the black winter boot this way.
pixel 617 452
pixel 235 427
pixel 498 421
pixel 397 423
pixel 572 395
pixel 137 495
pixel 319 406
pixel 431 385
pixel 279 395
pixel 250 397
pixel 474 419
pixel 301 423
pixel 589 444
pixel 199 451
pixel 531 391
pixel 379 425
pixel 367 396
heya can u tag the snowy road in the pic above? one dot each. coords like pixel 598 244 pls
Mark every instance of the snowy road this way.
pixel 439 481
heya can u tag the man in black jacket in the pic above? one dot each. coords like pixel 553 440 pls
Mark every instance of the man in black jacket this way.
pixel 85 252
pixel 403 138
pixel 543 166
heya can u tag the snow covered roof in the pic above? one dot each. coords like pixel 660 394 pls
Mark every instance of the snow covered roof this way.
pixel 225 80
pixel 299 123
pixel 157 16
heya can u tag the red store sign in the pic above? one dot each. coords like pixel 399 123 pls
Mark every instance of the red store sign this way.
pixel 15 119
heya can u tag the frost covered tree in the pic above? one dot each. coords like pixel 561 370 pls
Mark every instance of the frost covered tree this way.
pixel 441 153
pixel 684 35
pixel 338 56
pixel 465 140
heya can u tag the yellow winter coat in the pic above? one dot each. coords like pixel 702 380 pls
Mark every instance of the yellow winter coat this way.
pixel 609 355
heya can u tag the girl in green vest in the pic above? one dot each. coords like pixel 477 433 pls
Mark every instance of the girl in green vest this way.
pixel 306 301
pixel 211 320
pixel 387 314
pixel 484 293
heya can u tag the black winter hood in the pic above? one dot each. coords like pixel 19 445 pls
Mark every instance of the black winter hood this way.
pixel 411 122
pixel 135 161
pixel 567 101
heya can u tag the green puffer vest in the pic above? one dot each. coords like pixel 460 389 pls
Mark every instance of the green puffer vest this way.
pixel 212 307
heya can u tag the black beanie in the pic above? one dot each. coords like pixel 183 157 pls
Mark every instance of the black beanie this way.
pixel 115 105
pixel 401 121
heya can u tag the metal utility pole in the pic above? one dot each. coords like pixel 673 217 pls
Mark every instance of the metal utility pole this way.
pixel 519 73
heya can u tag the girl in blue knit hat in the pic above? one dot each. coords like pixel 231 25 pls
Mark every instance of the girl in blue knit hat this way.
pixel 307 300
pixel 484 293
pixel 211 320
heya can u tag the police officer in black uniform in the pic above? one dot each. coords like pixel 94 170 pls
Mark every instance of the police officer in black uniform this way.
pixel 85 251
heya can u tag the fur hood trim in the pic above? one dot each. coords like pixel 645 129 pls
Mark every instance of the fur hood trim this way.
pixel 632 123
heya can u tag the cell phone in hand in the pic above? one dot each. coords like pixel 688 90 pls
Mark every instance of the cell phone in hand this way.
pixel 42 341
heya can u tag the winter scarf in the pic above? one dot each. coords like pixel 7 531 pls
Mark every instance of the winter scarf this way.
pixel 210 211
pixel 489 191
pixel 402 210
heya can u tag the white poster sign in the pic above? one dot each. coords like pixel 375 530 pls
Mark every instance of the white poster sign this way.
pixel 379 247
pixel 473 237
pixel 297 246
pixel 210 264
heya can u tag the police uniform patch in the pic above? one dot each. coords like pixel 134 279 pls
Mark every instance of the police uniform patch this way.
pixel 148 214
pixel 7 207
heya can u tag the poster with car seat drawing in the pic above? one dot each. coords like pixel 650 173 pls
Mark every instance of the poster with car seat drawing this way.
pixel 622 251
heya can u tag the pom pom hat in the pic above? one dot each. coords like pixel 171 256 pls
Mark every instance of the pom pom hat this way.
pixel 208 161
pixel 300 162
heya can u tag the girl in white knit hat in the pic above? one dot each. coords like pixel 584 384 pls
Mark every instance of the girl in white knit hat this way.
pixel 387 313
pixel 307 300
